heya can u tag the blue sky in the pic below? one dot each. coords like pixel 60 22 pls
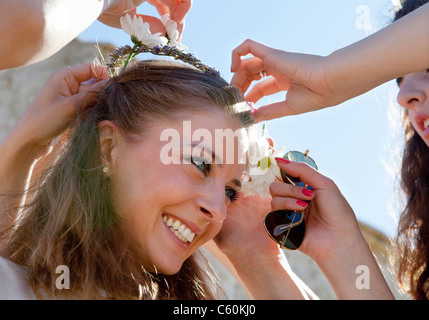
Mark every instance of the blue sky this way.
pixel 355 143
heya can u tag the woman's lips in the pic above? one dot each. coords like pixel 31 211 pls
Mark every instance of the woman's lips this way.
pixel 422 121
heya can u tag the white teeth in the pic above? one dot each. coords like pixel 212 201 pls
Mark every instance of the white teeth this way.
pixel 179 229
pixel 426 123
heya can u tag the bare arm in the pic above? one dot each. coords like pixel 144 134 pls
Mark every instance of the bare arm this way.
pixel 315 82
pixel 395 51
pixel 246 250
pixel 64 95
pixel 33 30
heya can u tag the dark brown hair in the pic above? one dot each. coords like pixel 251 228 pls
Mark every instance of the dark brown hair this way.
pixel 70 219
pixel 413 229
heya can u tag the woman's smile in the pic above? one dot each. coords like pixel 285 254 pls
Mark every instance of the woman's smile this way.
pixel 179 228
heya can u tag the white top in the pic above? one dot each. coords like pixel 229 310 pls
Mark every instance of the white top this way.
pixel 14 282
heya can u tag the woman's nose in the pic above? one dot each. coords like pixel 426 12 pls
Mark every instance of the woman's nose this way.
pixel 412 92
pixel 212 205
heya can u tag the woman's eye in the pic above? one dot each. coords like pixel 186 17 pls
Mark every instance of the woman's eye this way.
pixel 202 165
pixel 398 81
pixel 231 194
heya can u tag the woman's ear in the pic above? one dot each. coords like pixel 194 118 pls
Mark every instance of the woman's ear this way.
pixel 109 138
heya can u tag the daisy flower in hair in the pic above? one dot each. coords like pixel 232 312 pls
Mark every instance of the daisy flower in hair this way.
pixel 172 32
pixel 262 168
pixel 140 31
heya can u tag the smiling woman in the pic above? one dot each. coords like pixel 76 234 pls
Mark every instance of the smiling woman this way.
pixel 126 225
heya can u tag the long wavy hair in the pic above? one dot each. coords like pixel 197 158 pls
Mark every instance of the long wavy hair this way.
pixel 413 230
pixel 69 218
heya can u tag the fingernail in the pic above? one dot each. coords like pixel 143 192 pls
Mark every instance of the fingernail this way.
pixel 307 192
pixel 301 203
pixel 252 107
pixel 282 160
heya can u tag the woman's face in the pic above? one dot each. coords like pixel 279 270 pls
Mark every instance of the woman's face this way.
pixel 414 95
pixel 172 196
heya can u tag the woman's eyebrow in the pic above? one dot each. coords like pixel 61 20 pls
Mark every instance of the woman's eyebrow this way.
pixel 215 159
pixel 237 183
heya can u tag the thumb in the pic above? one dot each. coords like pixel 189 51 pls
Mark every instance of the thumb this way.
pixel 155 24
pixel 273 111
pixel 87 94
pixel 182 10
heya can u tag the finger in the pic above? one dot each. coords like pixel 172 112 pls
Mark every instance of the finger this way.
pixel 248 47
pixel 79 73
pixel 182 10
pixel 270 142
pixel 160 7
pixel 273 111
pixel 248 82
pixel 155 24
pixel 249 70
pixel 306 174
pixel 281 189
pixel 99 72
pixel 73 76
pixel 266 87
pixel 180 28
pixel 282 203
pixel 87 95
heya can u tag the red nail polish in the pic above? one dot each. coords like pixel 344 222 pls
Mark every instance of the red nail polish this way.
pixel 301 203
pixel 307 192
pixel 282 160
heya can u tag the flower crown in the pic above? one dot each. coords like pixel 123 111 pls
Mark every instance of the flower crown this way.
pixel 145 41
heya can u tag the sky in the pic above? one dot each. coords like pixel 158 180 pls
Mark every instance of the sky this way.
pixel 357 143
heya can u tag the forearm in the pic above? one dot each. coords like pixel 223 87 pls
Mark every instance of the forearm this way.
pixel 353 272
pixel 272 280
pixel 33 30
pixel 397 50
pixel 18 157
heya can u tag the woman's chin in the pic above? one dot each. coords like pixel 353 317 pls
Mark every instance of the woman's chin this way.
pixel 168 269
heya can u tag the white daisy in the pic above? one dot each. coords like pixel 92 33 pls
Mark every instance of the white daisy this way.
pixel 172 32
pixel 136 27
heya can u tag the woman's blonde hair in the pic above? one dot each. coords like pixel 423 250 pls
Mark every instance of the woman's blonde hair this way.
pixel 69 218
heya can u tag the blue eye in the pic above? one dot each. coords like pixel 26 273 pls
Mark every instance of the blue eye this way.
pixel 202 165
pixel 231 194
